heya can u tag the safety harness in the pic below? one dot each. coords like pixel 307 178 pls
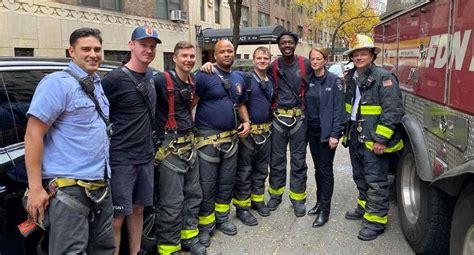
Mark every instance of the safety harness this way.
pixel 181 146
pixel 292 113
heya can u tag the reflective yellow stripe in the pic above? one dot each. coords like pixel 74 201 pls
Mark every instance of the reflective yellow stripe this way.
pixel 370 145
pixel 168 249
pixel 277 192
pixel 206 220
pixel 297 196
pixel 189 233
pixel 222 208
pixel 257 198
pixel 361 203
pixel 384 131
pixel 348 108
pixel 243 203
pixel 371 109
pixel 375 218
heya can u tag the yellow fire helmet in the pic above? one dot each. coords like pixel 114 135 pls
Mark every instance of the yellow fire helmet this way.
pixel 361 42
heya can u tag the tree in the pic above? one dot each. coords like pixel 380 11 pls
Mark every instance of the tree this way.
pixel 236 11
pixel 344 18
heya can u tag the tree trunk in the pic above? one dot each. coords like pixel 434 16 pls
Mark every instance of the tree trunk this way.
pixel 236 11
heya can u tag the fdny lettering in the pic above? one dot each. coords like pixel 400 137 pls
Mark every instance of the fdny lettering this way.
pixel 438 51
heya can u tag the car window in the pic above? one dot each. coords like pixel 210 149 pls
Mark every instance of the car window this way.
pixel 336 69
pixel 7 125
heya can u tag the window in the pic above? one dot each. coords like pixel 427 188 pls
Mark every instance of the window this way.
pixel 24 52
pixel 168 60
pixel 300 32
pixel 164 7
pixel 277 21
pixel 114 5
pixel 288 25
pixel 217 11
pixel 244 19
pixel 203 10
pixel 283 3
pixel 263 19
pixel 246 56
pixel 283 22
pixel 238 56
pixel 122 56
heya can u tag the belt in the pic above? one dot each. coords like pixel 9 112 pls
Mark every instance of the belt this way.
pixel 164 151
pixel 217 139
pixel 258 129
pixel 289 113
pixel 89 185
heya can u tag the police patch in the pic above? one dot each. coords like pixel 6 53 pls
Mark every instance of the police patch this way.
pixel 238 89
pixel 339 85
pixel 387 83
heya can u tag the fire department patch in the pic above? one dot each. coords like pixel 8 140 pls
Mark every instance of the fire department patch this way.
pixel 149 31
pixel 238 89
pixel 387 83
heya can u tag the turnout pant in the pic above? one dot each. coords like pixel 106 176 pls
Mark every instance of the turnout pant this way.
pixel 179 198
pixel 217 167
pixel 323 157
pixel 72 232
pixel 370 173
pixel 252 170
pixel 295 136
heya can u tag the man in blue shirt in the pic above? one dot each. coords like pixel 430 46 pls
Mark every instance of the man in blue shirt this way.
pixel 67 148
pixel 217 97
pixel 254 150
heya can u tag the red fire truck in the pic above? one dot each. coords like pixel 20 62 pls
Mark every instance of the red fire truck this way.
pixel 430 47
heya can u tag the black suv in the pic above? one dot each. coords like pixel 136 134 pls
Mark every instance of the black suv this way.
pixel 18 80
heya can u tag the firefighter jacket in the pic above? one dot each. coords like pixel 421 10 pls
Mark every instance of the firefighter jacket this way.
pixel 380 107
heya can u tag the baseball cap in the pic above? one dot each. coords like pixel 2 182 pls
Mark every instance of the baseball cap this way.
pixel 143 32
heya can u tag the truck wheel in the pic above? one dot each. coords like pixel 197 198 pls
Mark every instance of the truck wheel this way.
pixel 424 211
pixel 462 226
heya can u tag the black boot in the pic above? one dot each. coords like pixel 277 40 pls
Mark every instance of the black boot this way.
pixel 321 219
pixel 299 209
pixel 227 228
pixel 193 246
pixel 355 214
pixel 273 203
pixel 314 210
pixel 367 234
pixel 204 238
pixel 261 208
pixel 246 217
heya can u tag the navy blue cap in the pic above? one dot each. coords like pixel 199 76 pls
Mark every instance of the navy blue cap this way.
pixel 143 32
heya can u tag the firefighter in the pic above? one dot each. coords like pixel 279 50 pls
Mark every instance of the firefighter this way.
pixel 374 109
pixel 218 97
pixel 254 150
pixel 179 190
pixel 289 124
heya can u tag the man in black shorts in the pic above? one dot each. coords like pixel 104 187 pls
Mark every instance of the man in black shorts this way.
pixel 131 93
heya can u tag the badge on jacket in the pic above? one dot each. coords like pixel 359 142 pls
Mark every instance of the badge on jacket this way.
pixel 387 83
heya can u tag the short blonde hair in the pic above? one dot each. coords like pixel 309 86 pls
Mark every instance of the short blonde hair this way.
pixel 321 50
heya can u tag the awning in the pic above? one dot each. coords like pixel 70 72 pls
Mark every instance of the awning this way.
pixel 248 35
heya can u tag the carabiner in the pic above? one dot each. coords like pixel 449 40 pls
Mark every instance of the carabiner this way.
pixel 93 198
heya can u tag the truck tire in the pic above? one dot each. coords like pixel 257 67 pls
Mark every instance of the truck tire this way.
pixel 424 211
pixel 462 226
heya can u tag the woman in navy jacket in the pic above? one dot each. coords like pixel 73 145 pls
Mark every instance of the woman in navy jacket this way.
pixel 324 100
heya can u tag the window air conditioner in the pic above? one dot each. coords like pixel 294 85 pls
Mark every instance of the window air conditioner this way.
pixel 178 15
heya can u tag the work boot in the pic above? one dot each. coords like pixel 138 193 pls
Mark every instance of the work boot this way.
pixel 273 203
pixel 261 208
pixel 299 209
pixel 314 210
pixel 193 246
pixel 321 219
pixel 227 228
pixel 367 234
pixel 355 214
pixel 204 238
pixel 246 217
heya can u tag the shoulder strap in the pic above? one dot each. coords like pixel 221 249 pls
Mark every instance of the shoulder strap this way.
pixel 275 83
pixel 171 122
pixel 143 91
pixel 303 81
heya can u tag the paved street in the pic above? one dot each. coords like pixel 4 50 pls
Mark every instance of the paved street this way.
pixel 283 233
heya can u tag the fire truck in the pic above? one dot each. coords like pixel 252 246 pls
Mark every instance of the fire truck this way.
pixel 430 47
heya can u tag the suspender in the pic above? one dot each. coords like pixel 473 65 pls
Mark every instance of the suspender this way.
pixel 143 91
pixel 277 72
pixel 227 86
pixel 171 121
